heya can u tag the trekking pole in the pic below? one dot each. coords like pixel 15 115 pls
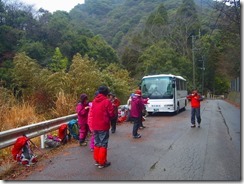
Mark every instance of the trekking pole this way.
pixel 38 148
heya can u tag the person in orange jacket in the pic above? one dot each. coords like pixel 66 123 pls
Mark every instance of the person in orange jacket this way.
pixel 116 103
pixel 195 99
pixel 102 112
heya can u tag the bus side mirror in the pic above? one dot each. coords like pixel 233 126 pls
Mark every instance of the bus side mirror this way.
pixel 173 85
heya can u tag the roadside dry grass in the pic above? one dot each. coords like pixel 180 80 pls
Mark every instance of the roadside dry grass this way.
pixel 14 114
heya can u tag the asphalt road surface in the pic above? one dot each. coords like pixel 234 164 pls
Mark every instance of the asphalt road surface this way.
pixel 169 150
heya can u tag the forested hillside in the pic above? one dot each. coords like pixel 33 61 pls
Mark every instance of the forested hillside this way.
pixel 45 56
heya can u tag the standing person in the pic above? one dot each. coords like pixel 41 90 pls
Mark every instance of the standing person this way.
pixel 102 112
pixel 129 107
pixel 195 108
pixel 89 122
pixel 116 103
pixel 137 106
pixel 82 110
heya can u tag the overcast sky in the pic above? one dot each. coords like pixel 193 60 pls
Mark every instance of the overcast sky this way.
pixel 53 5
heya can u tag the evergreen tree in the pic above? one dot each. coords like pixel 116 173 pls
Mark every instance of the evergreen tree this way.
pixel 59 62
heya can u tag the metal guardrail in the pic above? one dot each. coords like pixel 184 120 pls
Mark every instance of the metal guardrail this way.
pixel 8 137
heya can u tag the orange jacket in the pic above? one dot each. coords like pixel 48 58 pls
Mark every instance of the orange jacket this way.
pixel 195 100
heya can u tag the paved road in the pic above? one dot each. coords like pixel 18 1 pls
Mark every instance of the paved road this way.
pixel 169 150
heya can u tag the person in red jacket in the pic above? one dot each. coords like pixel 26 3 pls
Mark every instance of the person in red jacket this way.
pixel 89 122
pixel 195 99
pixel 137 105
pixel 102 112
pixel 116 103
pixel 82 110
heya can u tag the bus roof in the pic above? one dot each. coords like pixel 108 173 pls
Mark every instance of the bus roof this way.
pixel 163 75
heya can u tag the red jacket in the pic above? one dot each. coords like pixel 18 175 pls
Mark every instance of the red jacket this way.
pixel 102 112
pixel 137 105
pixel 195 100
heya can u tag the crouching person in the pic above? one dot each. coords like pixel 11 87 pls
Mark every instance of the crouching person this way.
pixel 102 112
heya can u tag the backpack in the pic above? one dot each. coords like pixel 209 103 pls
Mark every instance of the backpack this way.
pixel 63 133
pixel 73 129
pixel 22 152
pixel 52 141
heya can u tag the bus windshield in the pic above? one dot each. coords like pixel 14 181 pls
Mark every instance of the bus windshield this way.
pixel 157 88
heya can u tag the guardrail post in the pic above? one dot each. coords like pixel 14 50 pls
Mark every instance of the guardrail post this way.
pixel 42 141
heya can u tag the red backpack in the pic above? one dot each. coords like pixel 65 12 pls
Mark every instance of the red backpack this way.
pixel 22 152
pixel 63 133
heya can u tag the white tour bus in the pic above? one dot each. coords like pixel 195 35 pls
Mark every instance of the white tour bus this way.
pixel 166 93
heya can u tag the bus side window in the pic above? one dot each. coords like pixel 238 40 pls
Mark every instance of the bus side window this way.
pixel 177 84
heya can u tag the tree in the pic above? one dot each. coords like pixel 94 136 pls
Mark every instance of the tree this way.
pixel 58 63
pixel 84 75
pixel 229 25
pixel 26 76
pixel 184 24
pixel 35 50
pixel 161 58
pixel 99 50
pixel 57 25
pixel 118 80
pixel 156 25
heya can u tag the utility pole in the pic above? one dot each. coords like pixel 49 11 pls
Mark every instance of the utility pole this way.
pixel 203 69
pixel 193 61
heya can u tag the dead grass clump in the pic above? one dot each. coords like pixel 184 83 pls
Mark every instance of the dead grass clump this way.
pixel 7 100
pixel 19 115
pixel 64 105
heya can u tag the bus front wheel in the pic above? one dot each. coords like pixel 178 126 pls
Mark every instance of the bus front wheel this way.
pixel 178 109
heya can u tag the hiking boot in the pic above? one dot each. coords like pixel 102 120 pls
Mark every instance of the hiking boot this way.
pixel 105 165
pixel 193 126
pixel 83 143
pixel 137 136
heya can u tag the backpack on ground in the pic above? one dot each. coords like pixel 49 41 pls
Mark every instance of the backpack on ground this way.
pixel 52 141
pixel 73 129
pixel 63 133
pixel 22 152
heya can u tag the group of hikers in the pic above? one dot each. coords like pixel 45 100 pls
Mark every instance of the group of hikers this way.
pixel 101 115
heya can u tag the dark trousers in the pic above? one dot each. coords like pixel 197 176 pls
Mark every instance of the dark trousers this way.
pixel 140 121
pixel 195 112
pixel 113 123
pixel 136 125
pixel 101 138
